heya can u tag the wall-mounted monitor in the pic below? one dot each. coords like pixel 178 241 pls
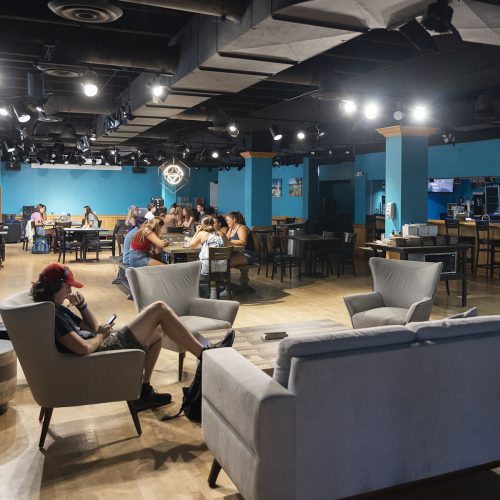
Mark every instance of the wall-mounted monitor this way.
pixel 440 186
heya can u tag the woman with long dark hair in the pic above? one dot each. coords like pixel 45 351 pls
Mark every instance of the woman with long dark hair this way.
pixel 90 220
pixel 240 236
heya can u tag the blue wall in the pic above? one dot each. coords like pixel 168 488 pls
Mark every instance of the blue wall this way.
pixel 107 192
pixel 199 185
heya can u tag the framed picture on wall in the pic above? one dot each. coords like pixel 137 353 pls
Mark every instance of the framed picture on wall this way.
pixel 295 186
pixel 277 188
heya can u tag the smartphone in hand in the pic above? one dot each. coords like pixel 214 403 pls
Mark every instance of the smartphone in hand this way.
pixel 110 320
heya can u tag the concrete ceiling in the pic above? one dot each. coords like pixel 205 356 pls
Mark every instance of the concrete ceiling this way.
pixel 284 62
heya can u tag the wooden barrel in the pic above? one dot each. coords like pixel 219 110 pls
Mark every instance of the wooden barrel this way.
pixel 8 374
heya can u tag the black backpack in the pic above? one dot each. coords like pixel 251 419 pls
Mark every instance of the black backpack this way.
pixel 191 400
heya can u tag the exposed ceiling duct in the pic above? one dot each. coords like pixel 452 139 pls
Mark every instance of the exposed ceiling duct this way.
pixel 133 52
pixel 62 104
pixel 227 9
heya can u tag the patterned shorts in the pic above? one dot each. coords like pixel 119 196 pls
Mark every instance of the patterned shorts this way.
pixel 122 339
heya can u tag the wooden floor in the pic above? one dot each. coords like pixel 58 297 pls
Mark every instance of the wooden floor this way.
pixel 93 451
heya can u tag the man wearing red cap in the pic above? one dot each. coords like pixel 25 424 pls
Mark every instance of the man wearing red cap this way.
pixel 84 335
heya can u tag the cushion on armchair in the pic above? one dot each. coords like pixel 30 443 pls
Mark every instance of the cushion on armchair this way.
pixel 379 316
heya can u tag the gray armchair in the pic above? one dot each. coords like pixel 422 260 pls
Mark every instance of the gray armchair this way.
pixel 59 380
pixel 402 292
pixel 178 286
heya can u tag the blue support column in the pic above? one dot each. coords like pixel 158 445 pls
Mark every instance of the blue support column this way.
pixel 360 210
pixel 310 190
pixel 258 188
pixel 406 174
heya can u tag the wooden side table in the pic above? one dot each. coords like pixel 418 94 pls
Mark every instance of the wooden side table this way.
pixel 8 374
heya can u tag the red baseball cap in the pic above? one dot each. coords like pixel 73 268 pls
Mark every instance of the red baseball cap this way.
pixel 56 271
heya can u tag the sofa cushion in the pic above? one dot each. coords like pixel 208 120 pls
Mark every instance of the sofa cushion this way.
pixel 380 316
pixel 328 343
pixel 471 313
pixel 449 328
pixel 197 324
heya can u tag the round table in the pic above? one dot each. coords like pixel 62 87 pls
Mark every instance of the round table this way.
pixel 8 374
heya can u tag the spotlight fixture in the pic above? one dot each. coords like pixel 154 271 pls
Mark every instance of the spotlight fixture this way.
pixel 233 129
pixel 419 113
pixel 93 137
pixel 275 132
pixel 4 110
pixel 82 143
pixel 21 114
pixel 10 148
pixel 89 84
pixel 301 135
pixel 371 111
pixel 158 87
pixel 349 107
pixel 215 154
pixel 320 132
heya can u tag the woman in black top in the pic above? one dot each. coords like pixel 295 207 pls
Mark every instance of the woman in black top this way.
pixel 240 236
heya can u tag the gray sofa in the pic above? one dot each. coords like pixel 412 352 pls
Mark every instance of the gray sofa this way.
pixel 356 411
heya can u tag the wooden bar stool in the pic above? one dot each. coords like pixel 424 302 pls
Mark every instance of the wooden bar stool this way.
pixel 454 225
pixel 488 245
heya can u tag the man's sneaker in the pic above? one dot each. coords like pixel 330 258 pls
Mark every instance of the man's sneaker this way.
pixel 152 399
pixel 227 341
pixel 224 294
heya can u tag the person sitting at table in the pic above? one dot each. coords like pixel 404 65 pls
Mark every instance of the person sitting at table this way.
pixel 145 241
pixel 241 236
pixel 130 221
pixel 187 219
pixel 128 240
pixel 220 224
pixel 200 212
pixel 90 220
pixel 168 219
pixel 206 236
pixel 178 216
pixel 39 216
pixel 151 211
pixel 81 334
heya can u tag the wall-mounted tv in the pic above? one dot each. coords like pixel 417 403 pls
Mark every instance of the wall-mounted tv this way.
pixel 440 186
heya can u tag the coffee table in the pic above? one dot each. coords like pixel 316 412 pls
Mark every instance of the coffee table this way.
pixel 262 353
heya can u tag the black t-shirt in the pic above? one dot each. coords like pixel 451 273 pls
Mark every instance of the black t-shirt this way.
pixel 66 322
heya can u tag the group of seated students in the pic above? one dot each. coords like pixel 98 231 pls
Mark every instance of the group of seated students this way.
pixel 39 217
pixel 145 239
pixel 177 216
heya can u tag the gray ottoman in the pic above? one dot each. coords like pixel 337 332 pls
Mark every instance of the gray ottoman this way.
pixel 8 374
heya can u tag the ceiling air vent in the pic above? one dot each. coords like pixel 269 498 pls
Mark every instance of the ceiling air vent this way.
pixel 88 11
pixel 61 70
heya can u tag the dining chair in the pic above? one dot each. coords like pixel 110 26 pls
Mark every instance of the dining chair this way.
pixel 219 269
pixel 452 227
pixel 488 246
pixel 281 258
pixel 345 254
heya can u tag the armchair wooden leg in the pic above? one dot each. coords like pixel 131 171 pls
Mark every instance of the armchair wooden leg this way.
pixel 182 355
pixel 42 413
pixel 447 287
pixel 45 426
pixel 135 417
pixel 214 472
